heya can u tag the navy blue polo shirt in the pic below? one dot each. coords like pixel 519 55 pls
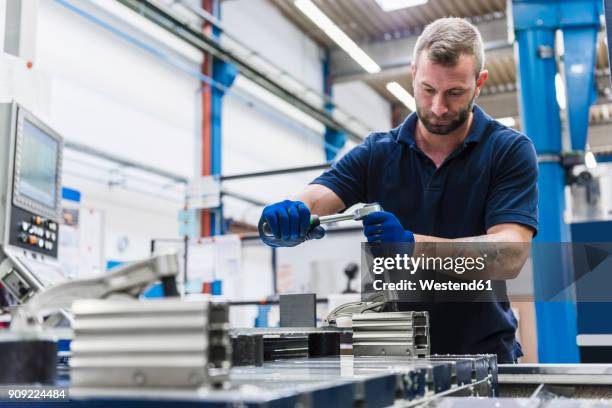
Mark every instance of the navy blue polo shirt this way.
pixel 490 179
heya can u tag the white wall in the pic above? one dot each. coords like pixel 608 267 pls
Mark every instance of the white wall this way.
pixel 110 95
pixel 361 101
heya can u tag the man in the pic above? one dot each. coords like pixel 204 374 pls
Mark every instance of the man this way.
pixel 449 173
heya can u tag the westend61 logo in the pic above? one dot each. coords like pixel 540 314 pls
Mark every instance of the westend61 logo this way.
pixel 411 264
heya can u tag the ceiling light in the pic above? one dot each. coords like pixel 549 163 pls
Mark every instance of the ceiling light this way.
pixel 403 95
pixel 507 121
pixel 391 5
pixel 308 8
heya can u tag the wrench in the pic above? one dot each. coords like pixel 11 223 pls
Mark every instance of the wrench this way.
pixel 316 220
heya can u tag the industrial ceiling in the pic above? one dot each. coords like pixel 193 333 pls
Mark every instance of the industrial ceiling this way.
pixel 389 37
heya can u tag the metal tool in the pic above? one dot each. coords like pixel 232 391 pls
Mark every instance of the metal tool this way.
pixel 316 220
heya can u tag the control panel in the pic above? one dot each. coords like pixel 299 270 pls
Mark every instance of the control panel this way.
pixel 33 232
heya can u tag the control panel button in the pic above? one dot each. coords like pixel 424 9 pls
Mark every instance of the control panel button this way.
pixel 37 220
pixel 49 245
pixel 25 226
pixel 52 226
pixel 23 237
pixel 53 237
pixel 47 234
pixel 38 231
pixel 41 243
pixel 32 239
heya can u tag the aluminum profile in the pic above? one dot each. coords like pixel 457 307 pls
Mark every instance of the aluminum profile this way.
pixel 160 343
pixel 391 334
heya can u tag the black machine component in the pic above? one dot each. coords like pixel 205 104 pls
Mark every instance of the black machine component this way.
pixel 285 346
pixel 280 344
pixel 247 349
pixel 324 344
pixel 28 361
pixel 298 310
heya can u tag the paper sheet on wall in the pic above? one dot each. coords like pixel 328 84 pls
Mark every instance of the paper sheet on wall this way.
pixel 200 260
pixel 228 255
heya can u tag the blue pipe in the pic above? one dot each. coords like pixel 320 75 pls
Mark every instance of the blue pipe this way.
pixel 333 138
pixel 556 322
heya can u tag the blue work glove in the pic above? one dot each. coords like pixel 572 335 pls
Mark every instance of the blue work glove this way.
pixel 289 224
pixel 383 226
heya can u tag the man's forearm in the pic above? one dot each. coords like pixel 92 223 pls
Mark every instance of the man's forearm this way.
pixel 320 199
pixel 506 249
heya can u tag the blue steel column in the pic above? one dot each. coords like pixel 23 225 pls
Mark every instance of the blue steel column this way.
pixel 334 140
pixel 224 74
pixel 580 23
pixel 535 24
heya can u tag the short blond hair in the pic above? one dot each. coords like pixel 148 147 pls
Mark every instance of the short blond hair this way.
pixel 446 39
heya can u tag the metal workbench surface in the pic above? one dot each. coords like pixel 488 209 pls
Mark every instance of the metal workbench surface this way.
pixel 309 382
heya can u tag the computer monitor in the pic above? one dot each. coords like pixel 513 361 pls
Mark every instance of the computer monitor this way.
pixel 30 204
pixel 36 169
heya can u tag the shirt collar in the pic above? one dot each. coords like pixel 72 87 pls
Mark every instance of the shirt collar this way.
pixel 480 122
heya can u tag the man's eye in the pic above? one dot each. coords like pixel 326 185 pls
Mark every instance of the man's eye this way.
pixel 430 91
pixel 456 93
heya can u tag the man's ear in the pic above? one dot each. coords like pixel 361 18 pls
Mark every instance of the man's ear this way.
pixel 480 81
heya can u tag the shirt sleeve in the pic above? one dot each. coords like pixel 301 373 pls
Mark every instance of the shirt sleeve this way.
pixel 513 197
pixel 348 176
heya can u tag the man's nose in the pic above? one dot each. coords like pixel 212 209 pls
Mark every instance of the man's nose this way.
pixel 438 106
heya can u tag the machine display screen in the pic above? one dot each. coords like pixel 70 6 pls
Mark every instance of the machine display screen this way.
pixel 39 155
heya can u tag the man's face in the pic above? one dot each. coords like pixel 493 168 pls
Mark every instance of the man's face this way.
pixel 445 95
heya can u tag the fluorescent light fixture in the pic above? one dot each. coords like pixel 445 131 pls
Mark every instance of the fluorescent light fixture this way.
pixel 308 8
pixel 560 91
pixel 590 161
pixel 392 5
pixel 507 121
pixel 403 95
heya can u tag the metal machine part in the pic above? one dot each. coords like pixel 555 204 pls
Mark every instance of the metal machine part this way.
pixel 301 345
pixel 575 380
pixel 375 303
pixel 298 310
pixel 30 208
pixel 316 220
pixel 456 402
pixel 30 360
pixel 160 343
pixel 27 339
pixel 285 346
pixel 324 344
pixel 297 342
pixel 247 349
pixel 556 374
pixel 129 280
pixel 391 334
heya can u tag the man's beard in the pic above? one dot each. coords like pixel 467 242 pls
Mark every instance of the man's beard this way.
pixel 456 119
